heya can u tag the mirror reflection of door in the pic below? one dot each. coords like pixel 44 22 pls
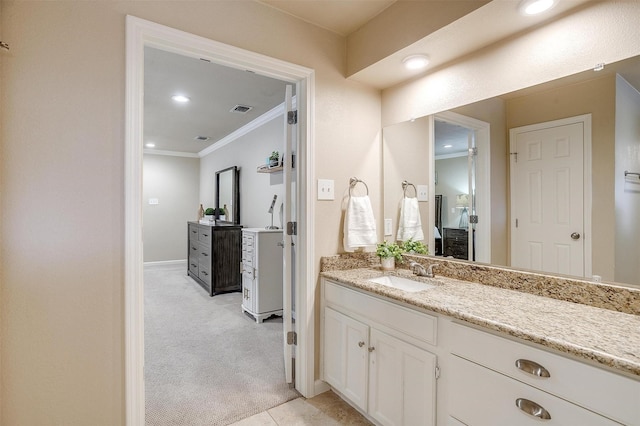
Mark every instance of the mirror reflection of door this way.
pixel 460 207
pixel 548 196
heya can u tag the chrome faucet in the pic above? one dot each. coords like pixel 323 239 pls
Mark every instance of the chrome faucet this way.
pixel 421 271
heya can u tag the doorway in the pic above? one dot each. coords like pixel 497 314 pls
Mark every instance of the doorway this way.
pixel 550 177
pixel 462 208
pixel 141 33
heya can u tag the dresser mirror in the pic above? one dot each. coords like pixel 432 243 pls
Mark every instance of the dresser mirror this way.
pixel 228 195
pixel 464 183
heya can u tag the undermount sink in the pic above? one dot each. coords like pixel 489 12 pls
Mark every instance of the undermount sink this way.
pixel 401 283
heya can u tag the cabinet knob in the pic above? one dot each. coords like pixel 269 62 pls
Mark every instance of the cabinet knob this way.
pixel 532 367
pixel 371 348
pixel 532 409
pixel 361 343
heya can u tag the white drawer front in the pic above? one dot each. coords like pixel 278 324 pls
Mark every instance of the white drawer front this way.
pixel 607 393
pixel 414 324
pixel 481 397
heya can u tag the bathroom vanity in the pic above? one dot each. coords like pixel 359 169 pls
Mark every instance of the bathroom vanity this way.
pixel 214 256
pixel 464 353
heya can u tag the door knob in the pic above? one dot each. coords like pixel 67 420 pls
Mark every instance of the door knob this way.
pixel 575 235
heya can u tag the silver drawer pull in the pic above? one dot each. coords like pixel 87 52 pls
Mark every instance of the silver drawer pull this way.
pixel 372 348
pixel 361 343
pixel 532 409
pixel 532 368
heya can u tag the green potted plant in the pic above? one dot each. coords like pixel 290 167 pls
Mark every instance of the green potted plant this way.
pixel 209 214
pixel 414 247
pixel 274 159
pixel 389 253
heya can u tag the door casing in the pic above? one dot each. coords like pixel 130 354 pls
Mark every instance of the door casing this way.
pixel 141 33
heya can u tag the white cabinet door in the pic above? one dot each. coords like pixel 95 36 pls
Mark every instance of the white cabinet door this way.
pixel 248 289
pixel 345 356
pixel 402 384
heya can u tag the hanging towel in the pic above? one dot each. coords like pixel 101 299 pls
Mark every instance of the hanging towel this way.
pixel 359 224
pixel 409 225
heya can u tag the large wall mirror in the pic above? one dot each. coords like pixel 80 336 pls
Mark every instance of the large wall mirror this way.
pixel 228 195
pixel 502 161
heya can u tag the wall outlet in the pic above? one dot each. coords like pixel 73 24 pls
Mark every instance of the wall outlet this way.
pixel 326 189
pixel 387 228
pixel 423 192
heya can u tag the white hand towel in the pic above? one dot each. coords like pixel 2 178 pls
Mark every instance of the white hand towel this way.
pixel 359 224
pixel 410 225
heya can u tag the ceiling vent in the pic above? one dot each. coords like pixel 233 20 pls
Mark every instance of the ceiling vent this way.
pixel 202 138
pixel 241 109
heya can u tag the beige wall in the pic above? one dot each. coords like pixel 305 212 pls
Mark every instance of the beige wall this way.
pixel 63 183
pixel 402 145
pixel 595 97
pixel 175 183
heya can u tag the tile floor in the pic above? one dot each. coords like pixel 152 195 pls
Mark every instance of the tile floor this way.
pixel 326 409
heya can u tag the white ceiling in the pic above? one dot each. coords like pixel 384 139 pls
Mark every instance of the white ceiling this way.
pixel 339 16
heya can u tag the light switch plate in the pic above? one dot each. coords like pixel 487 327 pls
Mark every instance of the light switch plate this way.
pixel 423 192
pixel 326 189
pixel 387 227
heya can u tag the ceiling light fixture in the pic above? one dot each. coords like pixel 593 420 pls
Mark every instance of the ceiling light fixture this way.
pixel 150 145
pixel 534 7
pixel 599 67
pixel 416 62
pixel 180 98
pixel 447 146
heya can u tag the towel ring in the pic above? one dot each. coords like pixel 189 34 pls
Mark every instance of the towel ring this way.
pixel 405 184
pixel 353 182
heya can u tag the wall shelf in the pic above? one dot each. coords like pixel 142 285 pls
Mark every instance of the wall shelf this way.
pixel 270 169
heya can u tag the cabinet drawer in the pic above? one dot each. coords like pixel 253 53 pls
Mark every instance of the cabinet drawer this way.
pixel 204 257
pixel 481 397
pixel 193 265
pixel 247 239
pixel 194 249
pixel 604 392
pixel 413 324
pixel 193 232
pixel 247 257
pixel 204 274
pixel 204 234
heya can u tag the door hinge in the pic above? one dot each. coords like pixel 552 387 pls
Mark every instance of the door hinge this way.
pixel 292 117
pixel 473 151
pixel 515 154
pixel 473 218
pixel 437 372
pixel 292 338
pixel 292 228
pixel 293 161
pixel 516 223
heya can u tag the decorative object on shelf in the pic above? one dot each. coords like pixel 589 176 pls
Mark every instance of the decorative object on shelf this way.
pixel 389 253
pixel 274 159
pixel 201 212
pixel 462 202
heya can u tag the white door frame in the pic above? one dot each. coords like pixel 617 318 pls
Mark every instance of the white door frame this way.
pixel 141 33
pixel 587 189
pixel 482 131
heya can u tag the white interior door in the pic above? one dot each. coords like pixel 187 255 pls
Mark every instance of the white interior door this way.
pixel 289 252
pixel 547 197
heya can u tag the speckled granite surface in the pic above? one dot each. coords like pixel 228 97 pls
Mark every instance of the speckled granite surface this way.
pixel 604 336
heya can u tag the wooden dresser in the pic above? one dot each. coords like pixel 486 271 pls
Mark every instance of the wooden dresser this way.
pixel 455 242
pixel 215 257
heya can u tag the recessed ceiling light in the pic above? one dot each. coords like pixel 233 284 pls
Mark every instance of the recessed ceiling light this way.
pixel 447 146
pixel 416 62
pixel 534 7
pixel 599 67
pixel 150 145
pixel 180 98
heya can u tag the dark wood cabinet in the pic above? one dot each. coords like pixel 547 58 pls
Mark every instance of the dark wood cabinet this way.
pixel 455 242
pixel 215 257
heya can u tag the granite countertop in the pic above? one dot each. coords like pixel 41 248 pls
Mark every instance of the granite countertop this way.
pixel 606 337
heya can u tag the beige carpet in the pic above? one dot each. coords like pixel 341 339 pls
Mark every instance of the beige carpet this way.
pixel 206 363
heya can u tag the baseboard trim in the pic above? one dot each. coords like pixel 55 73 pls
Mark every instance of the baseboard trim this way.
pixel 320 386
pixel 166 262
